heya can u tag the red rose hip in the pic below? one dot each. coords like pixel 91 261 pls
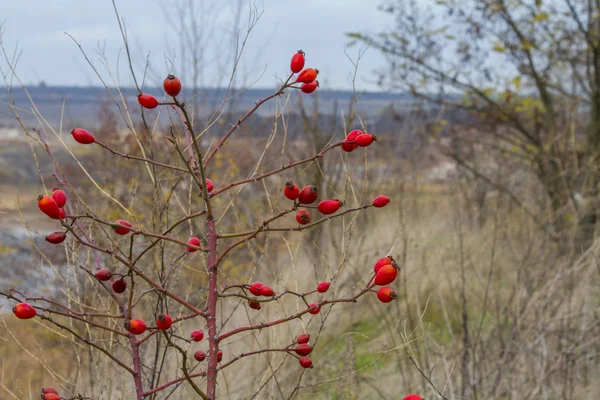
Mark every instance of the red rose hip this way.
pixel 381 201
pixel 348 144
pixel 386 275
pixel 386 294
pixel 209 185
pixel 329 206
pixel 82 136
pixel 136 326
pixel 48 206
pixel 59 197
pixel 266 291
pixel 305 362
pixel 303 338
pixel 24 311
pixel 313 309
pixel 303 349
pixel 303 217
pixel 122 230
pixel 308 88
pixel 323 287
pixel 103 275
pixel 172 85
pixel 164 322
pixel 56 237
pixel 197 335
pixel 255 288
pixel 365 139
pixel 308 75
pixel 194 241
pixel 381 262
pixel 147 101
pixel 199 355
pixel 297 62
pixel 291 190
pixel 255 305
pixel 49 390
pixel 119 286
pixel 308 194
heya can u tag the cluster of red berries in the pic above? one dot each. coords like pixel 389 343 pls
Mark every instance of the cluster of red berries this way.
pixel 303 349
pixel 308 76
pixel 412 397
pixel 52 206
pixel 357 138
pixel 50 394
pixel 309 195
pixel 386 271
pixel 200 355
pixel 171 86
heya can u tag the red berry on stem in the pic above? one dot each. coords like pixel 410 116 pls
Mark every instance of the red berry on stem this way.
pixel 413 397
pixel 49 390
pixel 386 294
pixel 386 275
pixel 59 197
pixel 308 75
pixel 147 101
pixel 291 190
pixel 255 288
pixel 305 362
pixel 219 355
pixel 197 335
pixel 365 139
pixel 122 230
pixel 209 185
pixel 308 194
pixel 255 305
pixel 303 349
pixel 297 62
pixel 313 309
pixel 303 217
pixel 199 355
pixel 323 287
pixel 50 396
pixel 136 326
pixel 381 262
pixel 172 85
pixel 308 88
pixel 24 311
pixel 103 275
pixel 56 237
pixel 82 136
pixel 348 144
pixel 48 206
pixel 194 241
pixel 329 206
pixel 61 213
pixel 381 201
pixel 266 291
pixel 164 322
pixel 119 286
pixel 303 338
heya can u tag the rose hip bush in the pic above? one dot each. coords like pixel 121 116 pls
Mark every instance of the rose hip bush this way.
pixel 119 269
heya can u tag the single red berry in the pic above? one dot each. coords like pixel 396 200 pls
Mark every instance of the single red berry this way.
pixel 119 286
pixel 365 139
pixel 255 288
pixel 172 85
pixel 136 326
pixel 49 390
pixel 209 185
pixel 381 262
pixel 386 275
pixel 255 305
pixel 348 144
pixel 266 291
pixel 197 335
pixel 297 62
pixel 194 241
pixel 147 101
pixel 24 311
pixel 200 355
pixel 308 88
pixel 413 397
pixel 291 190
pixel 303 338
pixel 48 206
pixel 305 362
pixel 323 287
pixel 59 197
pixel 386 294
pixel 381 201
pixel 219 356
pixel 313 309
pixel 103 275
pixel 50 396
pixel 303 217
pixel 329 206
pixel 164 322
pixel 61 213
pixel 308 75
pixel 308 194
pixel 56 237
pixel 82 136
pixel 122 230
pixel 303 349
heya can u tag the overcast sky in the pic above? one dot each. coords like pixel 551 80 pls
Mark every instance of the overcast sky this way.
pixel 316 26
